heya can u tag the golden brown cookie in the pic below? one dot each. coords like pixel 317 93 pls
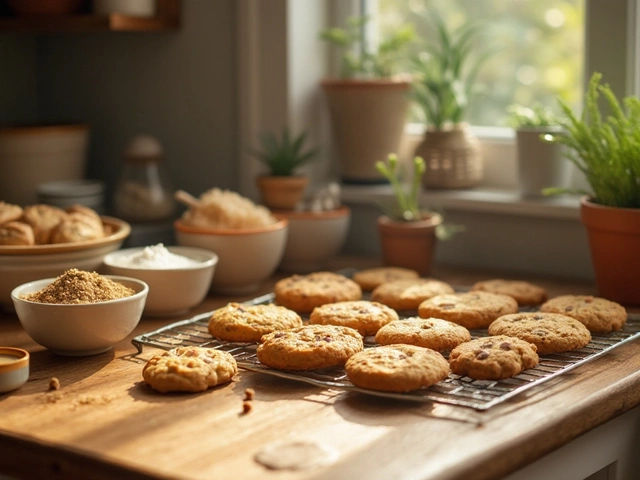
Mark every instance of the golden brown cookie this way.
pixel 434 333
pixel 237 322
pixel 43 219
pixel 16 233
pixel 303 293
pixel 89 213
pixel 309 347
pixel 598 314
pixel 407 294
pixel 493 358
pixel 76 227
pixel 396 368
pixel 370 278
pixel 525 293
pixel 189 369
pixel 550 332
pixel 9 212
pixel 469 309
pixel 365 316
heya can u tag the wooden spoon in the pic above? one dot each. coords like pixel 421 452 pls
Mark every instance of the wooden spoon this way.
pixel 186 199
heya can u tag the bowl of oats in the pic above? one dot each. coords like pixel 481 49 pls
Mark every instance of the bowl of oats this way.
pixel 80 313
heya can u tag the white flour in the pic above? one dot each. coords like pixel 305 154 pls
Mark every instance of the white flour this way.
pixel 155 257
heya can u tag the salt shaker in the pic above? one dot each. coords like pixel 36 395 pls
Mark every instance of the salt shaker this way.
pixel 144 192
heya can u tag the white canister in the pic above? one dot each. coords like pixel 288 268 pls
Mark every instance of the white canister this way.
pixel 135 8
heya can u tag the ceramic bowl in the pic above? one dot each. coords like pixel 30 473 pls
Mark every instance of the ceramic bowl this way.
pixel 22 264
pixel 80 329
pixel 172 290
pixel 246 257
pixel 14 368
pixel 314 238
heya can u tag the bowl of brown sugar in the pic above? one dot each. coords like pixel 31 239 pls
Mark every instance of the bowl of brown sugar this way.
pixel 80 313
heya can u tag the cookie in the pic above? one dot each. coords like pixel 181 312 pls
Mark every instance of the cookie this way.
pixel 408 293
pixel 43 219
pixel 434 333
pixel 550 332
pixel 370 278
pixel 598 314
pixel 9 212
pixel 237 322
pixel 469 309
pixel 303 293
pixel 365 316
pixel 309 347
pixel 16 233
pixel 76 227
pixel 493 358
pixel 396 368
pixel 525 293
pixel 189 369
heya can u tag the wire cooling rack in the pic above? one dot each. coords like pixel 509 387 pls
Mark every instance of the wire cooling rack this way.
pixel 454 390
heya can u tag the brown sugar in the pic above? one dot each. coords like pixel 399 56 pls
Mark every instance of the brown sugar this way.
pixel 77 286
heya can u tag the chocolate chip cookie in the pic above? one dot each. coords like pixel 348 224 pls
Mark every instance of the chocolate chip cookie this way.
pixel 303 293
pixel 525 293
pixel 435 333
pixel 365 316
pixel 598 314
pixel 408 293
pixel 370 278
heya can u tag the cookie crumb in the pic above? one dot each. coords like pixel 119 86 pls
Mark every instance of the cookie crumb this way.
pixel 54 384
pixel 249 394
pixel 246 407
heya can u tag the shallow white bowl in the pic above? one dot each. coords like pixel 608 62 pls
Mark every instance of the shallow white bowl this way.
pixel 246 257
pixel 14 368
pixel 314 238
pixel 22 264
pixel 172 291
pixel 80 329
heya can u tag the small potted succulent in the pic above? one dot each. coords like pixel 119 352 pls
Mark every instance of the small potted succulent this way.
pixel 370 82
pixel 606 149
pixel 541 163
pixel 281 188
pixel 408 232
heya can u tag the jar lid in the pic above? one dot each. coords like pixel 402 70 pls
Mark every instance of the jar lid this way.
pixel 70 188
pixel 143 148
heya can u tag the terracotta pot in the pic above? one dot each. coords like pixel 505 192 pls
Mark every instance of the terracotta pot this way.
pixel 281 193
pixel 368 119
pixel 409 244
pixel 614 240
pixel 452 156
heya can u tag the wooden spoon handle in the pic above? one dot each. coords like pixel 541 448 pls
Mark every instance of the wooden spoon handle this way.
pixel 186 199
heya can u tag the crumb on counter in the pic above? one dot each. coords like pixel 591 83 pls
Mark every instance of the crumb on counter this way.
pixel 249 393
pixel 54 384
pixel 246 407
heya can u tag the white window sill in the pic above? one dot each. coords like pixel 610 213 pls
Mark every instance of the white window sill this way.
pixel 494 201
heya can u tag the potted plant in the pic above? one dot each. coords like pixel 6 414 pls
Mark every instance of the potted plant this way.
pixel 443 88
pixel 368 104
pixel 281 188
pixel 607 150
pixel 540 162
pixel 408 233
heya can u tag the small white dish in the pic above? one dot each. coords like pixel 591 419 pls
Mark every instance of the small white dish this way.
pixel 172 290
pixel 14 368
pixel 80 329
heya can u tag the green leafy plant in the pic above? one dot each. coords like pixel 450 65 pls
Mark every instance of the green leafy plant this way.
pixel 444 75
pixel 360 62
pixel 605 149
pixel 537 115
pixel 285 154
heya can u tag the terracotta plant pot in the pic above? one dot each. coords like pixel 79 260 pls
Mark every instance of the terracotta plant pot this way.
pixel 282 193
pixel 452 157
pixel 614 240
pixel 409 244
pixel 368 118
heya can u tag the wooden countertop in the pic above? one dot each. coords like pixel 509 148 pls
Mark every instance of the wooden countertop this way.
pixel 104 422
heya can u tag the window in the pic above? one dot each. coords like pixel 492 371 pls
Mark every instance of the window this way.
pixel 538 48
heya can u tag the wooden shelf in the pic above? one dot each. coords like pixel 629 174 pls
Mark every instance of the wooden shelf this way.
pixel 167 18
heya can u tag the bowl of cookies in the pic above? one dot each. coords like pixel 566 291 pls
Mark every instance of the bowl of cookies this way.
pixel 80 313
pixel 42 241
pixel 248 239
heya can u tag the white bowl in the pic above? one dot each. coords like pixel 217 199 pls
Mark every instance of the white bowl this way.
pixel 22 264
pixel 314 238
pixel 246 257
pixel 80 329
pixel 14 368
pixel 172 291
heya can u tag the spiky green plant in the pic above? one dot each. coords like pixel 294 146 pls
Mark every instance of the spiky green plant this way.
pixel 360 62
pixel 285 154
pixel 444 76
pixel 537 115
pixel 407 205
pixel 606 150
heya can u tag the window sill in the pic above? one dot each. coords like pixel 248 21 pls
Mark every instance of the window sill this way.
pixel 493 201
